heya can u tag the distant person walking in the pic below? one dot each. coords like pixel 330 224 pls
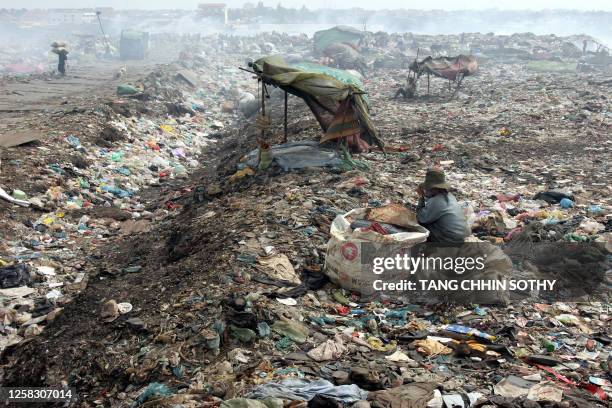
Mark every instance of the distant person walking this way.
pixel 61 65
pixel 59 48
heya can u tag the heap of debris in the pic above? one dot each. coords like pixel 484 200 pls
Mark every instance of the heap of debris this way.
pixel 164 265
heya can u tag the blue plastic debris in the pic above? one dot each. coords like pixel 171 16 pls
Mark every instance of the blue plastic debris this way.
pixel 566 203
pixel 594 209
pixel 178 371
pixel 263 329
pixel 124 171
pixel 73 141
pixel 322 320
pixel 481 311
pixel 117 192
pixel 308 231
pixel 153 390
pixel 469 331
pixel 57 169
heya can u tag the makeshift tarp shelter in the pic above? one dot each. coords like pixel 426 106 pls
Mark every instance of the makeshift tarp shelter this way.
pixel 336 98
pixel 451 68
pixel 337 35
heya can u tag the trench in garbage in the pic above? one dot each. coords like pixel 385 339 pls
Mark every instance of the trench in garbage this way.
pixel 182 256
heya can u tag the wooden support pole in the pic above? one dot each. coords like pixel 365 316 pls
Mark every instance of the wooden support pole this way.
pixel 285 139
pixel 459 82
pixel 263 107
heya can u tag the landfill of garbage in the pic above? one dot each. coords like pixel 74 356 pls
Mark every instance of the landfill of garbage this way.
pixel 148 257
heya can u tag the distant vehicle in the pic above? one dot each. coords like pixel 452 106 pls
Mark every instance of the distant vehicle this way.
pixel 133 44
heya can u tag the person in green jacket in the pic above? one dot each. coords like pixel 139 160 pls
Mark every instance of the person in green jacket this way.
pixel 439 211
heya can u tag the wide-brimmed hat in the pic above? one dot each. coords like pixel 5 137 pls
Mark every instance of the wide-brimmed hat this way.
pixel 435 179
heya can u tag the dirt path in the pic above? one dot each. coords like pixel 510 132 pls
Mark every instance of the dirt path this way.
pixel 81 82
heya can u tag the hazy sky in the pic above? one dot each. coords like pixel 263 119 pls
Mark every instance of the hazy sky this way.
pixel 367 4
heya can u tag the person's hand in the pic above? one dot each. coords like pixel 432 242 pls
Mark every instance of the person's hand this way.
pixel 420 191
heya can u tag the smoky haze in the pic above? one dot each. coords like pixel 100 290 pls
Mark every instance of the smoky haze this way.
pixel 540 17
pixel 559 17
pixel 604 5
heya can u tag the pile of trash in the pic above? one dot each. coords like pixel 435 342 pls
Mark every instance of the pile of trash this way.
pixel 223 298
pixel 398 50
pixel 92 190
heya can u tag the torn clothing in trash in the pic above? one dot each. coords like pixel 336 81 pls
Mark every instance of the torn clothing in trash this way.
pixel 305 390
pixel 415 395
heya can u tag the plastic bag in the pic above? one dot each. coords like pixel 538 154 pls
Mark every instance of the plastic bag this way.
pixel 348 251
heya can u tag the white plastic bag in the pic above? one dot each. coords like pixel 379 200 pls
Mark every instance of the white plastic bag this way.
pixel 345 251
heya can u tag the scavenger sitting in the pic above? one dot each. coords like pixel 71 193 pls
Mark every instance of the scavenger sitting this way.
pixel 438 210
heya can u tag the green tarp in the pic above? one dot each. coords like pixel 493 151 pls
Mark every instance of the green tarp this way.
pixel 338 74
pixel 339 34
pixel 322 88
pixel 313 79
